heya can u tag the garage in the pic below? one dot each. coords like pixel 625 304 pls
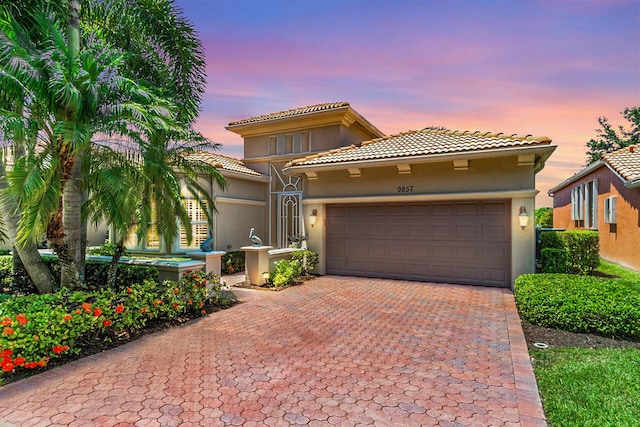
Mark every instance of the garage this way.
pixel 466 242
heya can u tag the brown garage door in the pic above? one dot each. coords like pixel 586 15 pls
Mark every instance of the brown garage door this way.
pixel 451 242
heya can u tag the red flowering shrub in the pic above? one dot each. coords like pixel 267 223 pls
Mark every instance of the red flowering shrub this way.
pixel 36 328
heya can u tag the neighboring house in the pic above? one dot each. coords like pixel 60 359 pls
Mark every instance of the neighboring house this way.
pixel 605 196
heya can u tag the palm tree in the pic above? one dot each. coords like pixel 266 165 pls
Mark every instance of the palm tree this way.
pixel 164 52
pixel 128 194
pixel 70 97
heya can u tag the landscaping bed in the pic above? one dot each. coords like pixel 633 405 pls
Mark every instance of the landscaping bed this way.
pixel 588 374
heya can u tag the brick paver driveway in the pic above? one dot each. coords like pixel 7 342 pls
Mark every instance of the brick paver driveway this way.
pixel 336 351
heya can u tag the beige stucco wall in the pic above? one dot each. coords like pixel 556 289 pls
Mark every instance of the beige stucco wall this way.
pixel 500 174
pixel 485 178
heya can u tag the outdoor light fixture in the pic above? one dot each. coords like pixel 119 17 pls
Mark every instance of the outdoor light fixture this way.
pixel 523 217
pixel 265 276
pixel 312 218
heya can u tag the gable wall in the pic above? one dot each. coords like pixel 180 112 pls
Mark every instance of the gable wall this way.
pixel 619 243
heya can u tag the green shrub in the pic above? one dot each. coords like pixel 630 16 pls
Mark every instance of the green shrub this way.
pixel 581 247
pixel 553 260
pixel 233 262
pixel 4 252
pixel 551 240
pixel 579 304
pixel 106 249
pixel 284 272
pixel 37 328
pixel 307 259
pixel 96 273
pixel 583 250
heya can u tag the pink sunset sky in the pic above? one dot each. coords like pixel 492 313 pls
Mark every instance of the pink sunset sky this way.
pixel 546 68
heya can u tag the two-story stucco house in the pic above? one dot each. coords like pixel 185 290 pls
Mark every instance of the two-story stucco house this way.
pixel 431 204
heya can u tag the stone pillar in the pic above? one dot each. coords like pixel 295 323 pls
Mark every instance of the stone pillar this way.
pixel 256 263
pixel 212 260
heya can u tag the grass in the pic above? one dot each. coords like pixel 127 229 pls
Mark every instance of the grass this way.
pixel 589 387
pixel 592 387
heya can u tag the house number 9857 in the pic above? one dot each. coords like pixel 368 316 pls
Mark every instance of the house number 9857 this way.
pixel 405 189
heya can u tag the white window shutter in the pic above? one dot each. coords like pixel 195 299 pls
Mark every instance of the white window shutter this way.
pixel 595 204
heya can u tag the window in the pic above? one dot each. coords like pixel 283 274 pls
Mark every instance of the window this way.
pixel 152 241
pixel 584 204
pixel 199 226
pixel 290 143
pixel 610 210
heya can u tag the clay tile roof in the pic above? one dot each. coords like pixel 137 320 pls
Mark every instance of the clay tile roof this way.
pixel 294 112
pixel 224 162
pixel 626 162
pixel 423 142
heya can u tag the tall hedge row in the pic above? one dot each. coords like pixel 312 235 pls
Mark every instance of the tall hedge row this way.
pixel 574 251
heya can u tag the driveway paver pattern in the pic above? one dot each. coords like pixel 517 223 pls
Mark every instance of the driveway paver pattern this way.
pixel 336 351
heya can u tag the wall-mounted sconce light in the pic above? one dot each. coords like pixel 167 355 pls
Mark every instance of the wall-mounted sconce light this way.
pixel 265 276
pixel 523 217
pixel 312 218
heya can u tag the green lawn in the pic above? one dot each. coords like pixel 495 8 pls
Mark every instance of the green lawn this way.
pixel 589 387
pixel 592 387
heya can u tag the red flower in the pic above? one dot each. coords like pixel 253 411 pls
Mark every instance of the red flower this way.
pixel 6 321
pixel 201 304
pixel 86 307
pixel 119 308
pixel 176 306
pixel 8 331
pixel 19 361
pixel 143 310
pixel 6 353
pixel 43 362
pixel 78 311
pixel 22 319
pixel 203 312
pixel 157 302
pixel 175 291
pixel 7 367
pixel 31 365
pixel 67 317
pixel 189 302
pixel 58 349
pixel 129 290
pixel 97 312
pixel 106 322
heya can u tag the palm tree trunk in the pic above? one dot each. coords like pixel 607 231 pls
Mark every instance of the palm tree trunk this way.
pixel 115 261
pixel 28 252
pixel 72 255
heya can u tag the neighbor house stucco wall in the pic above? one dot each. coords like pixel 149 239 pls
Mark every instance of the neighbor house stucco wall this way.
pixel 620 242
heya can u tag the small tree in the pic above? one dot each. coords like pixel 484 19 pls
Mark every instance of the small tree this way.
pixel 609 139
pixel 544 217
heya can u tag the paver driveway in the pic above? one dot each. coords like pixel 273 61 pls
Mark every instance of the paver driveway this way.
pixel 336 351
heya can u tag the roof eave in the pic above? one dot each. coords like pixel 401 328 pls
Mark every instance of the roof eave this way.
pixel 584 172
pixel 227 173
pixel 344 115
pixel 544 151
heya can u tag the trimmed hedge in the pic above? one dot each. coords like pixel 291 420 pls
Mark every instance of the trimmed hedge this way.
pixel 96 273
pixel 553 260
pixel 581 251
pixel 579 304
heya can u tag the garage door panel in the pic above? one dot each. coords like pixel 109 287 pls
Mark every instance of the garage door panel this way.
pixel 452 242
